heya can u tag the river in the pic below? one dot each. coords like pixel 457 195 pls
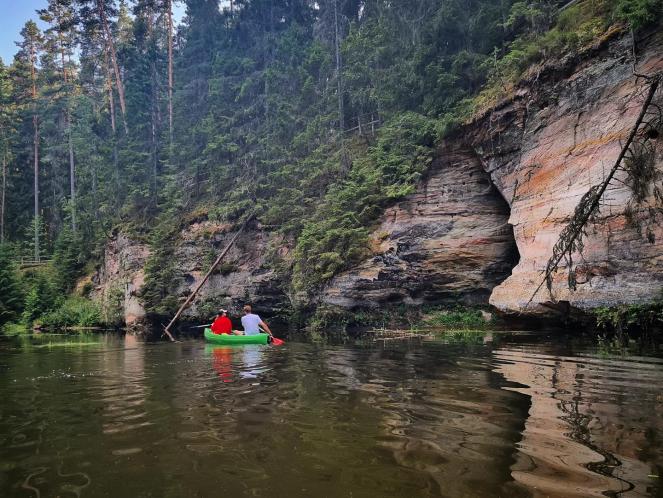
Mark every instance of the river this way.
pixel 486 415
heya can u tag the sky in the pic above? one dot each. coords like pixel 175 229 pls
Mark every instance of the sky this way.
pixel 14 13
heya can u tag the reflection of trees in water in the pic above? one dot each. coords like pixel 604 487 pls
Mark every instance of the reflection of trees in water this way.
pixel 438 414
pixel 587 423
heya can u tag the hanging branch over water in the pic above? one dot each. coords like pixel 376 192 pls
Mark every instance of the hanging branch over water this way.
pixel 637 159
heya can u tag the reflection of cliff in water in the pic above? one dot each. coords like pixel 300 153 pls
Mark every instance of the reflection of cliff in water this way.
pixel 594 426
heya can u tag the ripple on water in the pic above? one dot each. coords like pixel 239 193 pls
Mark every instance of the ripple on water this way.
pixel 415 420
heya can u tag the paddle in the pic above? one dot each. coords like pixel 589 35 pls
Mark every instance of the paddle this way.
pixel 275 340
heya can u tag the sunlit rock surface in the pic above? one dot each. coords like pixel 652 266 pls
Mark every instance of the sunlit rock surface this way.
pixel 481 226
pixel 120 277
pixel 242 277
pixel 558 136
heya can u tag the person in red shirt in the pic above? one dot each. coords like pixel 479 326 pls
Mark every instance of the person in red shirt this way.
pixel 222 324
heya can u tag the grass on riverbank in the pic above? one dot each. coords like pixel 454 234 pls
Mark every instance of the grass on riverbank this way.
pixel 417 320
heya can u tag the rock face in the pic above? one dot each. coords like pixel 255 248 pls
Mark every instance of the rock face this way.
pixel 242 277
pixel 120 278
pixel 448 242
pixel 545 148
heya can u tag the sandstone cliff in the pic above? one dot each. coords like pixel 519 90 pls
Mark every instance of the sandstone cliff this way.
pixel 545 147
pixel 481 225
pixel 542 148
pixel 447 243
pixel 242 277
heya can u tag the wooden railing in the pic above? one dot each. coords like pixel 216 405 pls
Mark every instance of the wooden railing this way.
pixel 31 263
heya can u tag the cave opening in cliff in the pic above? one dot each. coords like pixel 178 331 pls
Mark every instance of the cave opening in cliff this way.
pixel 511 254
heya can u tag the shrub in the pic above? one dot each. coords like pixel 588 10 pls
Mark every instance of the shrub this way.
pixel 631 319
pixel 162 276
pixel 457 318
pixel 638 13
pixel 41 296
pixel 73 312
pixel 337 235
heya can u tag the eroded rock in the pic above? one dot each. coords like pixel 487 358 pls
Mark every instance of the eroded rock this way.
pixel 448 242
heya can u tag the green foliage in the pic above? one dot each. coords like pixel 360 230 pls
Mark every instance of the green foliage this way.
pixel 162 275
pixel 42 296
pixel 266 119
pixel 11 293
pixel 68 259
pixel 73 312
pixel 636 319
pixel 337 234
pixel 112 307
pixel 456 318
pixel 574 28
pixel 638 13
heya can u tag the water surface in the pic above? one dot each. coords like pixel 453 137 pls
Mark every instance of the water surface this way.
pixel 484 416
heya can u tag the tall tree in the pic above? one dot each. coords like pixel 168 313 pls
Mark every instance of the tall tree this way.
pixel 106 9
pixel 26 58
pixel 169 17
pixel 6 122
pixel 60 38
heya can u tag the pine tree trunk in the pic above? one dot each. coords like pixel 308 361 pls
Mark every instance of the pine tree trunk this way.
pixel 111 106
pixel 155 144
pixel 72 166
pixel 170 72
pixel 35 125
pixel 72 175
pixel 113 57
pixel 339 83
pixel 2 201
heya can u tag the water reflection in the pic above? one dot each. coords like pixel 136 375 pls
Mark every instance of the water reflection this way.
pixel 477 417
pixel 594 425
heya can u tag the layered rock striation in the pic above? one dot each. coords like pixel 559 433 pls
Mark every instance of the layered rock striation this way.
pixel 544 148
pixel 449 242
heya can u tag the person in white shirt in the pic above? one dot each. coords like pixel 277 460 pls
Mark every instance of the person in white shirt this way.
pixel 253 323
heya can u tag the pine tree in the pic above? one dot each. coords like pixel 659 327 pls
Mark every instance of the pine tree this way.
pixel 59 42
pixel 26 62
pixel 11 297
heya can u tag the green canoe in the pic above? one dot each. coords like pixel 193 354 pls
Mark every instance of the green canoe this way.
pixel 235 339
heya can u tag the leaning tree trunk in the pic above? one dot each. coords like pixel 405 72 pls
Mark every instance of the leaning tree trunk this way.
pixel 571 238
